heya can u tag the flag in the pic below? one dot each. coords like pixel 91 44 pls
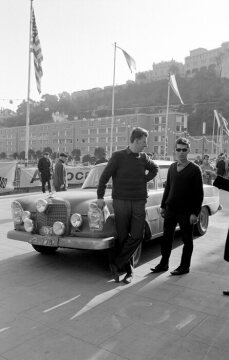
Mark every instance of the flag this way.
pixel 37 53
pixel 173 84
pixel 130 61
pixel 225 123
pixel 217 117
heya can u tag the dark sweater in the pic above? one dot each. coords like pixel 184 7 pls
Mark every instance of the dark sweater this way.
pixel 128 172
pixel 184 190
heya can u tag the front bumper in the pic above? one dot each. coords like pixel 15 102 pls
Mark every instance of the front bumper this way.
pixel 68 241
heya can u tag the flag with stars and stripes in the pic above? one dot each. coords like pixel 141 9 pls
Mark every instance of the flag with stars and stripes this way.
pixel 37 53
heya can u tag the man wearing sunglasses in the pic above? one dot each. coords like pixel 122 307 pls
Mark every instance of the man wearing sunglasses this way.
pixel 181 204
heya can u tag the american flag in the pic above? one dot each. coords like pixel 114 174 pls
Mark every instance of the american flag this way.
pixel 37 53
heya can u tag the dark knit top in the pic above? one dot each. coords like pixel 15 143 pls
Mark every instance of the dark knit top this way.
pixel 128 172
pixel 184 190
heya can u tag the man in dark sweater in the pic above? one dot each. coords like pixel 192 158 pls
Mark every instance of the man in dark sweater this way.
pixel 128 169
pixel 45 170
pixel 181 204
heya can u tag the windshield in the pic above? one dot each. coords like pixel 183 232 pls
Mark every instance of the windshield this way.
pixel 93 177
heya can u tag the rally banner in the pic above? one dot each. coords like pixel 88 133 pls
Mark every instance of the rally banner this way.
pixel 7 175
pixel 29 177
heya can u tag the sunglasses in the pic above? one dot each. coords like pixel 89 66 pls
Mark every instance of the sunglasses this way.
pixel 183 150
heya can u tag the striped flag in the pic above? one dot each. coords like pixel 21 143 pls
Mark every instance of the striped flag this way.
pixel 130 61
pixel 173 84
pixel 37 53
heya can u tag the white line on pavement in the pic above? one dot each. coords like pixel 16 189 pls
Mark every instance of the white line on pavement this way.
pixel 63 303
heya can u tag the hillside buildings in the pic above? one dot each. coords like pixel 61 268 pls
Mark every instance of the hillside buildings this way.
pixel 198 59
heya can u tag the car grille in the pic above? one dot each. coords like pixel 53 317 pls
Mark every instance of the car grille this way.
pixel 54 212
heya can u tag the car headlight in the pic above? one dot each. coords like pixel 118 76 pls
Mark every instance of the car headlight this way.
pixel 28 225
pixel 95 217
pixel 17 212
pixel 58 228
pixel 26 215
pixel 76 220
pixel 41 205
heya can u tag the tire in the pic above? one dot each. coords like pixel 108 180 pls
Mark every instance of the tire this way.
pixel 202 224
pixel 137 255
pixel 45 249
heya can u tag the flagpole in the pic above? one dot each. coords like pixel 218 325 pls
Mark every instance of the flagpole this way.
pixel 166 120
pixel 112 107
pixel 28 92
pixel 213 134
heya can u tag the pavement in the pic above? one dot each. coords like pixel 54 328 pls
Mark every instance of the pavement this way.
pixel 157 317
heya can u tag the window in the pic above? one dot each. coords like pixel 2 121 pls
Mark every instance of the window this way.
pixel 156 121
pixel 102 130
pixel 155 138
pixel 93 131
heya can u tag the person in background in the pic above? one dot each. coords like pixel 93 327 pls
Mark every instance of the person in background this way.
pixel 223 184
pixel 207 171
pixel 220 165
pixel 130 170
pixel 181 204
pixel 198 160
pixel 45 170
pixel 60 174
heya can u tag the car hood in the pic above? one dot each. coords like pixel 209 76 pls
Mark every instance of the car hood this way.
pixel 79 200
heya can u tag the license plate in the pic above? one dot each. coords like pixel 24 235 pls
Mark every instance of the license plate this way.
pixel 46 240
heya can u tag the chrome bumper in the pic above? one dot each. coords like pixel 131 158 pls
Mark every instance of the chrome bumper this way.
pixel 67 241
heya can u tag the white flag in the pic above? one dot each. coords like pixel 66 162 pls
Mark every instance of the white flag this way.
pixel 130 61
pixel 217 117
pixel 173 84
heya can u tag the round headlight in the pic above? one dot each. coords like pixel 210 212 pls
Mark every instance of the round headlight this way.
pixel 26 215
pixel 76 220
pixel 17 212
pixel 58 228
pixel 28 225
pixel 41 205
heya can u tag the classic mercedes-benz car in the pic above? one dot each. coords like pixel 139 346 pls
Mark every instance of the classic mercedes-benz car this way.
pixel 71 219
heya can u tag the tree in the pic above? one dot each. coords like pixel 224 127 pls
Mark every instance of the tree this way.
pixel 76 153
pixel 38 154
pixel 15 155
pixel 3 155
pixel 99 152
pixel 86 158
pixel 22 155
pixel 31 154
pixel 47 149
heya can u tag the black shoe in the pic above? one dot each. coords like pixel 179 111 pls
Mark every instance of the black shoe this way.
pixel 114 272
pixel 226 293
pixel 159 268
pixel 180 271
pixel 128 278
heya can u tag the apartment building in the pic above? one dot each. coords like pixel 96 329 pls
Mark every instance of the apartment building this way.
pixel 87 134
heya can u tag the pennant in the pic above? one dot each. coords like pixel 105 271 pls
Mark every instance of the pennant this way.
pixel 130 61
pixel 173 84
pixel 217 117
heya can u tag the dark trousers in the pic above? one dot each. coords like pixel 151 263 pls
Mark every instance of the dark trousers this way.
pixel 170 222
pixel 45 178
pixel 130 223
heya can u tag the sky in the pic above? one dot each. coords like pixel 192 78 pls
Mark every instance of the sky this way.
pixel 77 40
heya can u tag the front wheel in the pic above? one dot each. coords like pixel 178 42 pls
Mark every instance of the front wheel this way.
pixel 45 249
pixel 202 224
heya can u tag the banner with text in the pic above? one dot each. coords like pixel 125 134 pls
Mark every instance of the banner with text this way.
pixel 7 174
pixel 29 177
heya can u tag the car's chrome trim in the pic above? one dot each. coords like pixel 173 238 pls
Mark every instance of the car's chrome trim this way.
pixel 68 241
